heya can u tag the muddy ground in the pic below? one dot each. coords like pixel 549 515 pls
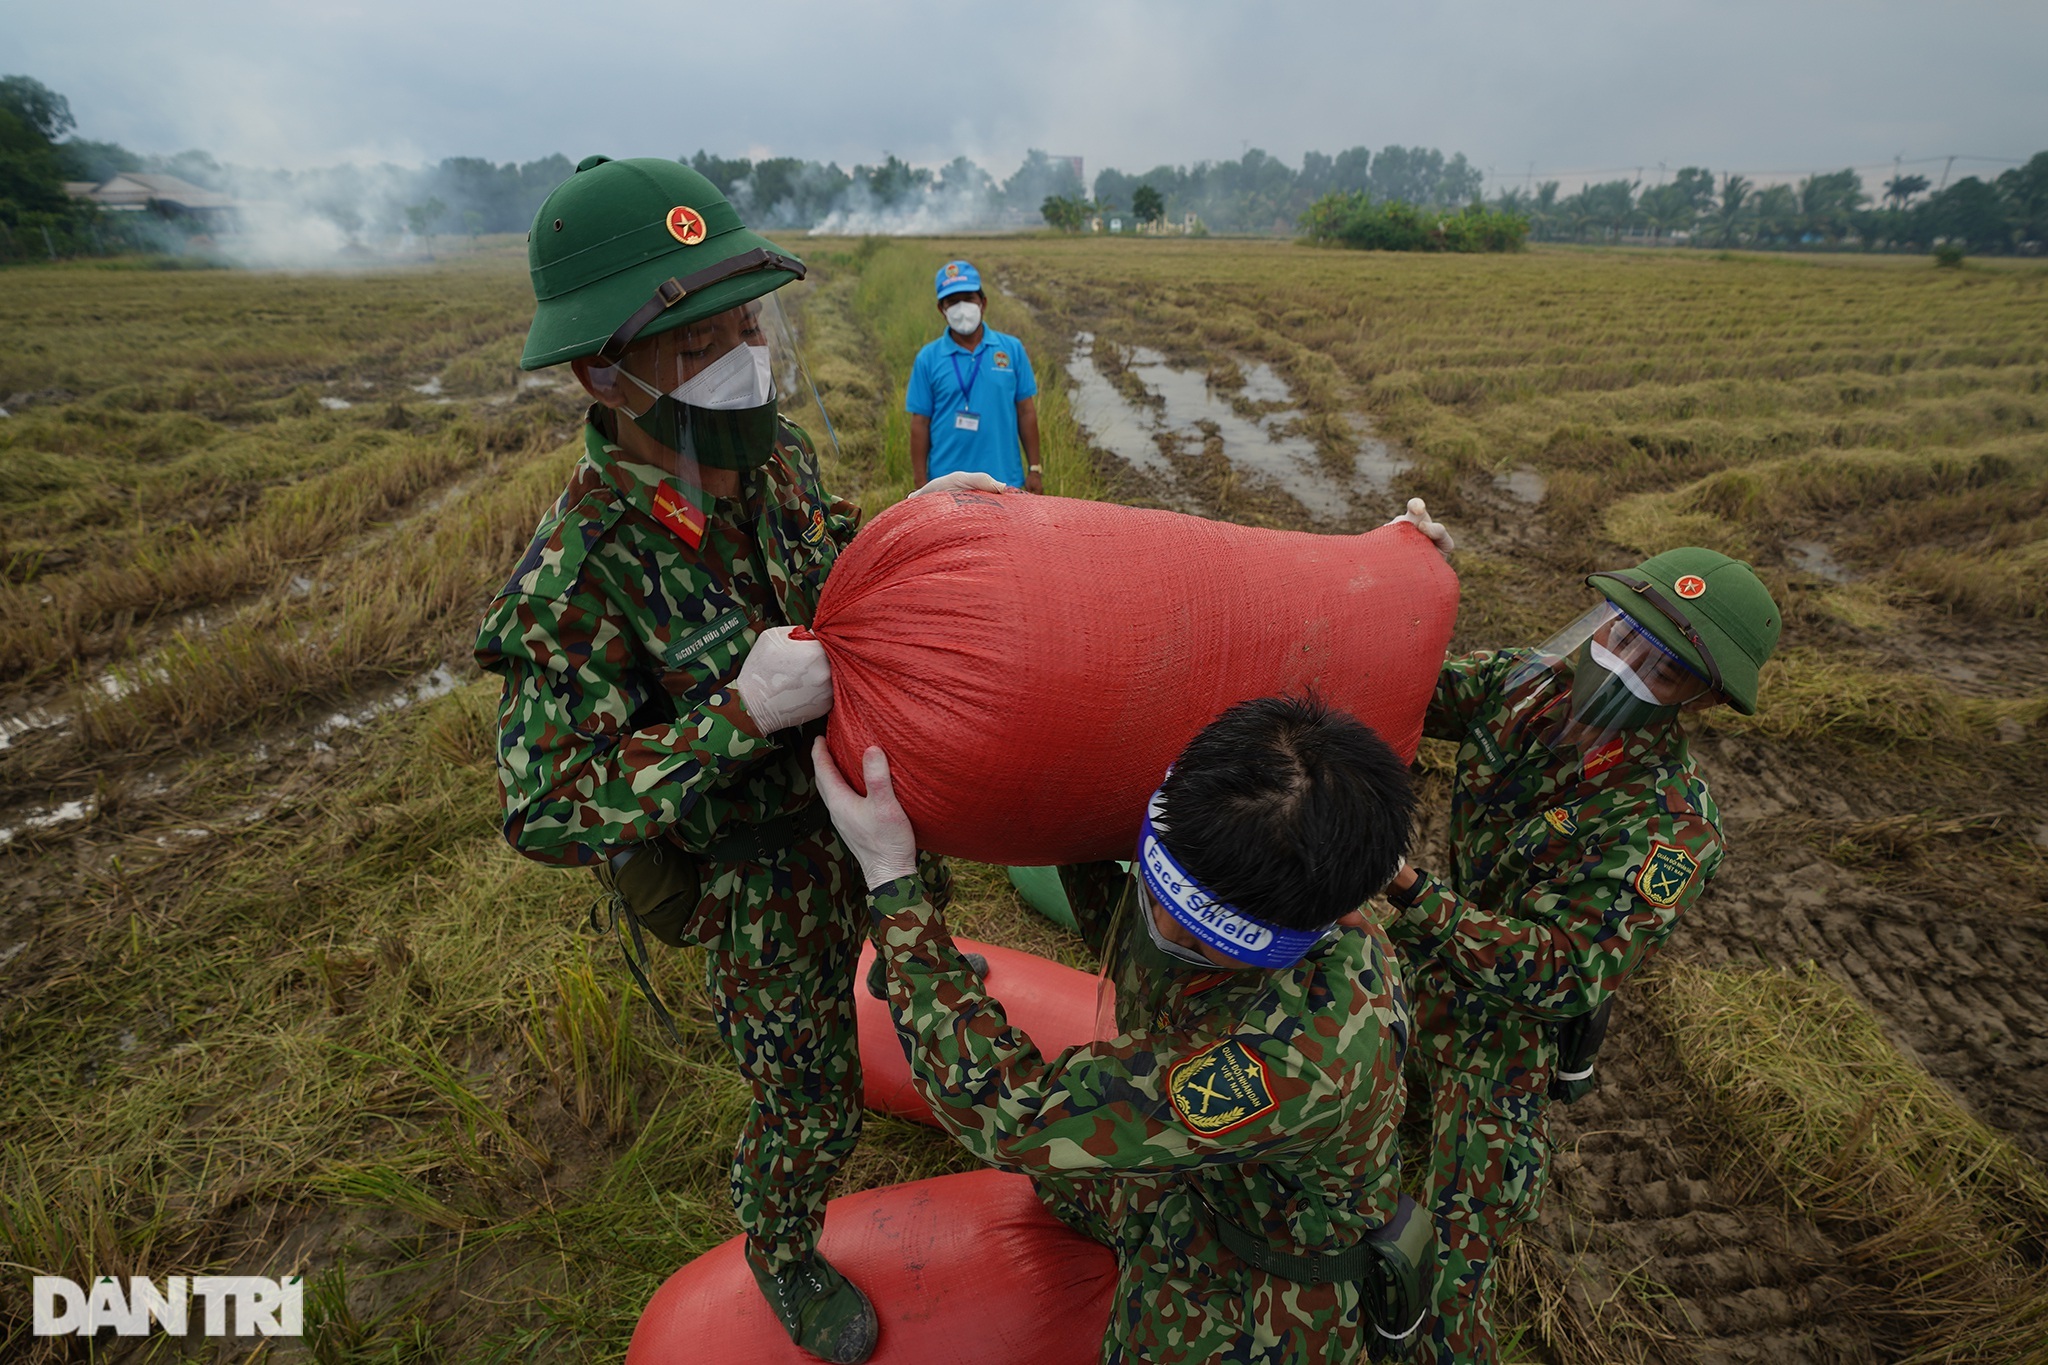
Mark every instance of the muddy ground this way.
pixel 1667 1249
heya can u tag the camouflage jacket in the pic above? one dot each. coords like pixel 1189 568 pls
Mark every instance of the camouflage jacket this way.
pixel 1270 1097
pixel 1567 872
pixel 618 636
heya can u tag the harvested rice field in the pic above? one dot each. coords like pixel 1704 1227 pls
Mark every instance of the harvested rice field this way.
pixel 275 998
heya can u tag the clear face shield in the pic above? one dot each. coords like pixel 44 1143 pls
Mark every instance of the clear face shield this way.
pixel 1139 966
pixel 1141 962
pixel 1602 676
pixel 711 390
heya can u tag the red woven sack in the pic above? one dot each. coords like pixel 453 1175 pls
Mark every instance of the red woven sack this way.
pixel 1031 665
pixel 962 1270
pixel 1053 1004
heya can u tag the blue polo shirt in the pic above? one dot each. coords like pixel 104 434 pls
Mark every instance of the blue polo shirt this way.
pixel 996 376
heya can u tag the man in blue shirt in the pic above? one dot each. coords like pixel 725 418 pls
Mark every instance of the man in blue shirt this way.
pixel 973 401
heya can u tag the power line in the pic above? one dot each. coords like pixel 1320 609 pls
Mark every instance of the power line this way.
pixel 1794 170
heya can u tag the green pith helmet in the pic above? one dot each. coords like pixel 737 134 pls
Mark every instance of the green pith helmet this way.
pixel 622 239
pixel 1728 608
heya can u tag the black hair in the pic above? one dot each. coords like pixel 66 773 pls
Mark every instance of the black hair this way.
pixel 1291 811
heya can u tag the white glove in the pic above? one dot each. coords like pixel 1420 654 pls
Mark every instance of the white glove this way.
pixel 784 681
pixel 1418 516
pixel 874 827
pixel 970 480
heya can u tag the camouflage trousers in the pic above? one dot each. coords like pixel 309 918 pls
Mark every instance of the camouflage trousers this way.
pixel 780 975
pixel 1182 1296
pixel 1489 1164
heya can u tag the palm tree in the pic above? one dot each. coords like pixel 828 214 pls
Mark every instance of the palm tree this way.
pixel 1667 208
pixel 1543 211
pixel 1826 201
pixel 1900 188
pixel 1734 194
pixel 1777 213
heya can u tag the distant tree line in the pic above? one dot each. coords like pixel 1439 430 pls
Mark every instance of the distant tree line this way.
pixel 37 218
pixel 2005 215
pixel 1352 218
pixel 1350 196
pixel 1256 193
pixel 789 192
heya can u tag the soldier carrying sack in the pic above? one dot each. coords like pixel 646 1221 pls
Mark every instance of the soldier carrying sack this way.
pixel 1581 830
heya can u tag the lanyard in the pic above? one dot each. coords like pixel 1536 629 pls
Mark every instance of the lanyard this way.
pixel 967 384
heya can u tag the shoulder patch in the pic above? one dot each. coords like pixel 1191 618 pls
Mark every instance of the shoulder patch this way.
pixel 1221 1088
pixel 1665 874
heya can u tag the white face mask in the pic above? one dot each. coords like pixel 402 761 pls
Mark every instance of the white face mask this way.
pixel 1167 945
pixel 963 317
pixel 740 378
pixel 1619 667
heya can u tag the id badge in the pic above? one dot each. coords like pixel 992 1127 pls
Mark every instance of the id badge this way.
pixel 966 421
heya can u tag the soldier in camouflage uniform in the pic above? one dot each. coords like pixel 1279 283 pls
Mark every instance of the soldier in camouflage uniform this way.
pixel 658 708
pixel 1235 1144
pixel 1580 832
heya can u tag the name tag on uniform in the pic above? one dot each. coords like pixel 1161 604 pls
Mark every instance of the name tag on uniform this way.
pixel 967 421
pixel 710 637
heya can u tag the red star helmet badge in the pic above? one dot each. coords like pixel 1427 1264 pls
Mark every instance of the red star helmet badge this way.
pixel 1690 586
pixel 686 225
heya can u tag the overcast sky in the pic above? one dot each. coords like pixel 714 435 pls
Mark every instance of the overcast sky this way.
pixel 1591 86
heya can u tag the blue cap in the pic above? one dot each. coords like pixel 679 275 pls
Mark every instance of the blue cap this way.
pixel 958 277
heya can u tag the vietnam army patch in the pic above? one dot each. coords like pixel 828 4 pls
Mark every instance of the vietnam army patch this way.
pixel 1220 1088
pixel 1665 875
pixel 814 534
pixel 1560 819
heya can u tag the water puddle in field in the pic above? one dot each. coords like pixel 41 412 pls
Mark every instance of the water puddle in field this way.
pixel 46 817
pixel 333 404
pixel 1185 411
pixel 27 723
pixel 437 683
pixel 1377 463
pixel 1811 556
pixel 432 388
pixel 1521 483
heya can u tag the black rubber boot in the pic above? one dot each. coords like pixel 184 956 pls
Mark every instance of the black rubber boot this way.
pixel 878 980
pixel 824 1312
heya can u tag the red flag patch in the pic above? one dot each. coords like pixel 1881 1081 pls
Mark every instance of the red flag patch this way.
pixel 1603 758
pixel 679 514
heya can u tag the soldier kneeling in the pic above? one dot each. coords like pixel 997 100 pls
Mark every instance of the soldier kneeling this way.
pixel 1235 1143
